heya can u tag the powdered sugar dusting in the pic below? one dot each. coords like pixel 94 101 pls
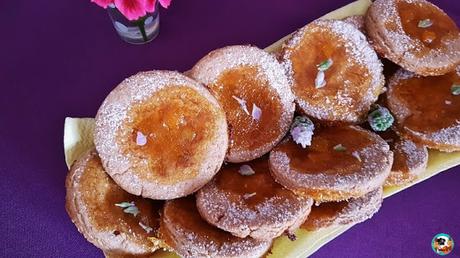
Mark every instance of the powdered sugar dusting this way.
pixel 357 21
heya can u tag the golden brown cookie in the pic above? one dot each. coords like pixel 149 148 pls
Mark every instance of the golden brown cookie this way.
pixel 352 211
pixel 107 216
pixel 161 135
pixel 427 109
pixel 335 74
pixel 245 200
pixel 409 159
pixel 414 34
pixel 341 163
pixel 253 90
pixel 184 230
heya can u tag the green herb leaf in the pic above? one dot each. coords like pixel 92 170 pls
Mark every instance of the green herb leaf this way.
pixel 425 23
pixel 326 64
pixel 124 204
pixel 455 89
pixel 132 210
pixel 340 147
pixel 128 207
pixel 380 119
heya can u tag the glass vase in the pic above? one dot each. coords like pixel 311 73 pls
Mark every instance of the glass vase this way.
pixel 140 31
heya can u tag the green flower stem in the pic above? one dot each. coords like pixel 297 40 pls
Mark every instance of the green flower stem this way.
pixel 141 25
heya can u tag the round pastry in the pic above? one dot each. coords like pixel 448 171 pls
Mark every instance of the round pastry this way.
pixel 409 159
pixel 183 229
pixel 341 163
pixel 427 109
pixel 253 90
pixel 245 200
pixel 357 21
pixel 352 211
pixel 109 217
pixel 414 34
pixel 335 74
pixel 161 135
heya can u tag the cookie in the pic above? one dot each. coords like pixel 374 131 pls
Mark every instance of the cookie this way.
pixel 253 90
pixel 415 34
pixel 107 216
pixel 335 74
pixel 352 211
pixel 161 135
pixel 410 159
pixel 427 109
pixel 341 163
pixel 189 235
pixel 245 200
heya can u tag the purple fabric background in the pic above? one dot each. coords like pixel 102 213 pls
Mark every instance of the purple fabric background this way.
pixel 61 58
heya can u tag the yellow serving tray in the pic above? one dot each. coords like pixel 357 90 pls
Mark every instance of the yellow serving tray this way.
pixel 78 138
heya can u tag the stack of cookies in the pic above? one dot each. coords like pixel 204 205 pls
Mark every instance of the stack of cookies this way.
pixel 250 145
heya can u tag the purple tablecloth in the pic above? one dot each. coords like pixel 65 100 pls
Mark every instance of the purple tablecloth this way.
pixel 61 58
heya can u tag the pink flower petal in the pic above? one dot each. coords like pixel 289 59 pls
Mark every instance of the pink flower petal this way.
pixel 150 5
pixel 242 103
pixel 248 195
pixel 141 140
pixel 256 112
pixel 102 3
pixel 165 3
pixel 320 80
pixel 131 9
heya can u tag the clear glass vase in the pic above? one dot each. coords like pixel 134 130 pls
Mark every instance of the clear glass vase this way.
pixel 140 31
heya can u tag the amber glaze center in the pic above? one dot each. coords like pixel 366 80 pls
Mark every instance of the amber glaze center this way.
pixel 100 194
pixel 178 123
pixel 249 85
pixel 316 47
pixel 443 28
pixel 430 101
pixel 257 187
pixel 322 158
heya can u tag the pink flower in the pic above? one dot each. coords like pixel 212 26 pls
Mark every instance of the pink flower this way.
pixel 131 9
pixel 150 4
pixel 102 3
pixel 165 3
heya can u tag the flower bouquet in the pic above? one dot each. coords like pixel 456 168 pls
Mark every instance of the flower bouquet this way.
pixel 136 21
